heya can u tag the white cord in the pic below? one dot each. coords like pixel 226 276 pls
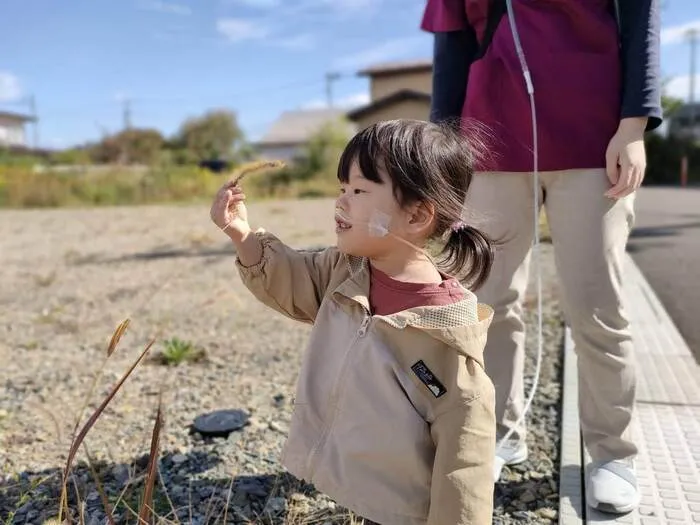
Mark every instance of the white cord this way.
pixel 536 187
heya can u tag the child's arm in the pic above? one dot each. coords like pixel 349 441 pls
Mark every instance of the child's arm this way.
pixel 465 440
pixel 288 281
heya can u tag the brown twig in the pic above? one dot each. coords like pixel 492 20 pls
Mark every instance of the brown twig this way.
pixel 246 169
pixel 116 337
pixel 151 471
pixel 90 422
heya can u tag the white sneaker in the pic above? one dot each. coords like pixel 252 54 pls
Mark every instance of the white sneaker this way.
pixel 510 453
pixel 612 487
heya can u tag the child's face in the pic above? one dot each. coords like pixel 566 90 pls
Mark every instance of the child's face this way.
pixel 363 201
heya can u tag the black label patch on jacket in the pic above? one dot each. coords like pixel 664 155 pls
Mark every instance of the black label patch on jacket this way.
pixel 428 379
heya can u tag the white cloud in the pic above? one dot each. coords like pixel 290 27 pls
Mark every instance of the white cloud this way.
pixel 676 34
pixel 356 100
pixel 301 42
pixel 239 29
pixel 389 50
pixel 679 87
pixel 348 102
pixel 10 87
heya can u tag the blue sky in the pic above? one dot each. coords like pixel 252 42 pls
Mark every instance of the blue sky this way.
pixel 82 59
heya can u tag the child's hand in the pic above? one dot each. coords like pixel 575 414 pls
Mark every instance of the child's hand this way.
pixel 229 213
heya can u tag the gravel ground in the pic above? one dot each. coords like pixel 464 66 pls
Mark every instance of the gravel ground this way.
pixel 69 277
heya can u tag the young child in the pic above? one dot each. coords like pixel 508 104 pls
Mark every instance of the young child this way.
pixel 394 414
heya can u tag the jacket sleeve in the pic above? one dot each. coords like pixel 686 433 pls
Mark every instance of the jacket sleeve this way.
pixel 289 281
pixel 455 45
pixel 465 442
pixel 640 23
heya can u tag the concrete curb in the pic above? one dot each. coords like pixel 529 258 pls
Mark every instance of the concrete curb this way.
pixel 666 423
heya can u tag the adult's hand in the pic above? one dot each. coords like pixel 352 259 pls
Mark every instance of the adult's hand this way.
pixel 625 158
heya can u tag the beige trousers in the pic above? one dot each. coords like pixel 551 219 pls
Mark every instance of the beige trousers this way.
pixel 589 233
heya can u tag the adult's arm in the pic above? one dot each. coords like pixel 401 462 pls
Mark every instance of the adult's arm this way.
pixel 454 48
pixel 640 26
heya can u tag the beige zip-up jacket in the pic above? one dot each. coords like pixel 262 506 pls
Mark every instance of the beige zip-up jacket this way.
pixel 393 415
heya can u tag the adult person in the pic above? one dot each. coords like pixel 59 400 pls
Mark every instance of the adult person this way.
pixel 595 69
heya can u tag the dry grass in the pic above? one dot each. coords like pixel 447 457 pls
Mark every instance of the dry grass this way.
pixel 145 498
pixel 20 187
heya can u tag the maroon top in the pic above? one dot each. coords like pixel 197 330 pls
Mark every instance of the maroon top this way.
pixel 571 47
pixel 388 296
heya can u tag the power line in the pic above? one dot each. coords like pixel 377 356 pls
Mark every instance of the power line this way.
pixel 35 121
pixel 126 113
pixel 330 78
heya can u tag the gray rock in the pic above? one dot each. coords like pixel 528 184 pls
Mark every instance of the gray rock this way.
pixel 276 505
pixel 178 459
pixel 120 474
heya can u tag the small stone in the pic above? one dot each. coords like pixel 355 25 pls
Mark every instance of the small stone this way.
pixel 279 400
pixel 178 459
pixel 276 505
pixel 536 475
pixel 120 473
pixel 521 515
pixel 547 513
pixel 527 497
pixel 277 427
pixel 254 423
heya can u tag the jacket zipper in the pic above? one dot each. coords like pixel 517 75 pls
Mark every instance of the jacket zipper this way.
pixel 310 467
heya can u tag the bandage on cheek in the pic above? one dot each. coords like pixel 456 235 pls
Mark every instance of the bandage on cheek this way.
pixel 379 224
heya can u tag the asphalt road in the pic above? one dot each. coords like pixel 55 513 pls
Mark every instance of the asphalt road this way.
pixel 665 244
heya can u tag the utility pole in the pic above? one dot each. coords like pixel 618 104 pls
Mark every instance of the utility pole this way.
pixel 127 113
pixel 330 78
pixel 692 35
pixel 35 121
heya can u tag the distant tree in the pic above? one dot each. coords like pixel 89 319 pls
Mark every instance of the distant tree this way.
pixel 131 146
pixel 670 105
pixel 72 156
pixel 322 153
pixel 215 135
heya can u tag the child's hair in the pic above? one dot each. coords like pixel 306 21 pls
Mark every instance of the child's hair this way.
pixel 430 163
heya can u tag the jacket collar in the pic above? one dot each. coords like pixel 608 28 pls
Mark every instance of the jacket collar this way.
pixel 458 325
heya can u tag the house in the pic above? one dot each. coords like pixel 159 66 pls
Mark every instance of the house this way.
pixel 397 90
pixel 12 132
pixel 685 121
pixel 289 134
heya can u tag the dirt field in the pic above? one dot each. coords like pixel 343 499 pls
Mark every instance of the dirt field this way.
pixel 69 277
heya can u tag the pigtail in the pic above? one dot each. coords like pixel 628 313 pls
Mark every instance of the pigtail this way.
pixel 468 254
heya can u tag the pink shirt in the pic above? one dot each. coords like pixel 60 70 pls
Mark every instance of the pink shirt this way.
pixel 388 296
pixel 571 47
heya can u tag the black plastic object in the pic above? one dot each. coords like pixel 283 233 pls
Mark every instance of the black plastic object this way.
pixel 220 423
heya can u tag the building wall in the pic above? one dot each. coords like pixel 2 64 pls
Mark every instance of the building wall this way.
pixel 408 109
pixel 12 132
pixel 384 85
pixel 286 153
